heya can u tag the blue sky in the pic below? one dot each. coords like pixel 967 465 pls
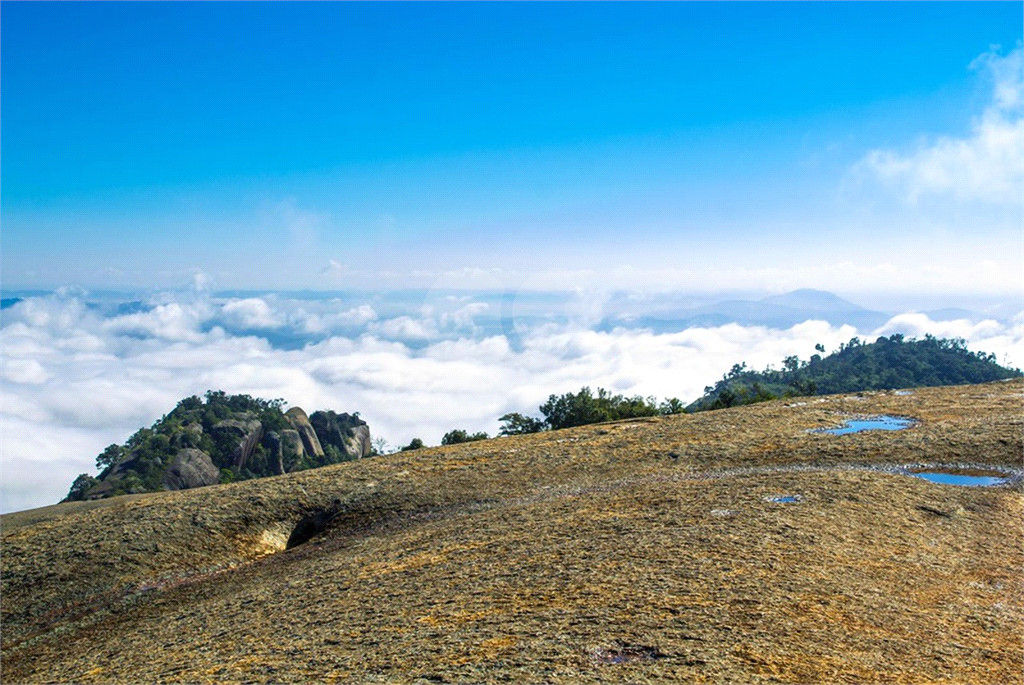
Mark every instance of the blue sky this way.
pixel 389 145
pixel 428 174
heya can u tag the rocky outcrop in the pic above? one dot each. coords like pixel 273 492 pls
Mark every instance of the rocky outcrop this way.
pixel 348 433
pixel 300 422
pixel 292 450
pixel 359 445
pixel 245 434
pixel 188 436
pixel 191 468
pixel 272 442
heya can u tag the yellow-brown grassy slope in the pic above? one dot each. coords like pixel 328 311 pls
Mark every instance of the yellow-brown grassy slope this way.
pixel 646 550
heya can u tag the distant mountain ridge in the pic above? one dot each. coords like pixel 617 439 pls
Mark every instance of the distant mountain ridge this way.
pixel 776 311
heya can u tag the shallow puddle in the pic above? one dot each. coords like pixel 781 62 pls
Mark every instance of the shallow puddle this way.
pixel 875 423
pixel 785 499
pixel 948 478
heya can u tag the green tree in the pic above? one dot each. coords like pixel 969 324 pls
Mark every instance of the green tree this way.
pixel 415 444
pixel 81 486
pixel 109 456
pixel 517 424
pixel 454 437
pixel 673 405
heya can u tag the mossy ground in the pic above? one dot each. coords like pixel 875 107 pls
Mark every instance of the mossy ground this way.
pixel 645 550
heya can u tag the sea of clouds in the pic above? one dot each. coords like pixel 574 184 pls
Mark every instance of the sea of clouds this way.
pixel 81 371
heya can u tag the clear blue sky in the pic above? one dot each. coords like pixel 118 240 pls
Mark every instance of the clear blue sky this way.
pixel 156 139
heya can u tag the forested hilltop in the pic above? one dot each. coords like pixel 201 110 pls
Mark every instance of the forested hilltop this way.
pixel 223 438
pixel 887 363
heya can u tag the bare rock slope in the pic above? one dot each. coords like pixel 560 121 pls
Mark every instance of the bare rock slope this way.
pixel 733 545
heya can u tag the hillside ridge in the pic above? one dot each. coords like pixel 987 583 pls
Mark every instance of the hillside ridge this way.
pixel 529 557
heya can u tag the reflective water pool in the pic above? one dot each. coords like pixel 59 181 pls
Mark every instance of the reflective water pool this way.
pixel 875 423
pixel 958 478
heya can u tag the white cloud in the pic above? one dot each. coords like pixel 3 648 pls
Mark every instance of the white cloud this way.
pixel 252 312
pixel 464 317
pixel 334 268
pixel 404 328
pixel 323 323
pixel 74 382
pixel 987 166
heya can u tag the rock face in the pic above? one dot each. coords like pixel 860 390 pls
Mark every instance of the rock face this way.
pixel 347 433
pixel 191 468
pixel 245 433
pixel 272 441
pixel 291 449
pixel 360 445
pixel 300 422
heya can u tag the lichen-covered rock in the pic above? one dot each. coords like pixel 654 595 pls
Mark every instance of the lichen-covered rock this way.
pixel 191 468
pixel 300 422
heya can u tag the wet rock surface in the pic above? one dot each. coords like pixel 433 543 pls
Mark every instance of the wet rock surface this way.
pixel 585 555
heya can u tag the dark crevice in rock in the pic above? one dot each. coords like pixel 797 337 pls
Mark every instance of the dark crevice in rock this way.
pixel 312 525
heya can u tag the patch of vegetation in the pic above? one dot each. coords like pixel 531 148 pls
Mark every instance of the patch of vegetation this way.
pixel 456 436
pixel 887 363
pixel 584 407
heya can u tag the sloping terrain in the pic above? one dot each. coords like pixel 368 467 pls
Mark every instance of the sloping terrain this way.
pixel 643 550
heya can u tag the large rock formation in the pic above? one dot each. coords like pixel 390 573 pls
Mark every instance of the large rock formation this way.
pixel 244 433
pixel 292 450
pixel 300 422
pixel 346 432
pixel 272 442
pixel 191 468
pixel 359 445
pixel 226 437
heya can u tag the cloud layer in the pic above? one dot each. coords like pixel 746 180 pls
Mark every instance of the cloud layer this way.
pixel 77 376
pixel 987 165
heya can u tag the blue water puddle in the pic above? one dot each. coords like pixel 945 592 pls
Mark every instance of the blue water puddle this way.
pixel 958 478
pixel 875 423
pixel 786 499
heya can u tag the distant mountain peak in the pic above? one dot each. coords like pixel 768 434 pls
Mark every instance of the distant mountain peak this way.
pixel 808 298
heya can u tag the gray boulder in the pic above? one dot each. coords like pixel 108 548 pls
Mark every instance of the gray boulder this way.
pixel 191 468
pixel 300 422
